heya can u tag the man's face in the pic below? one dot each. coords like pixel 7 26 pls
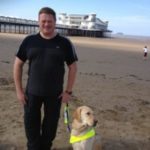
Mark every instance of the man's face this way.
pixel 46 24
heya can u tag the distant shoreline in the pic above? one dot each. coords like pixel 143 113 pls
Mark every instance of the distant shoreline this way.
pixel 131 36
pixel 127 43
pixel 124 36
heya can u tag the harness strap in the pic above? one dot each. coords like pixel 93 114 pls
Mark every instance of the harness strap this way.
pixel 66 116
pixel 87 135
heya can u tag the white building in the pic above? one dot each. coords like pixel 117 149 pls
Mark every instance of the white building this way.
pixel 88 22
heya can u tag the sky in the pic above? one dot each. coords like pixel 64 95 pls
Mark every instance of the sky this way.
pixel 131 17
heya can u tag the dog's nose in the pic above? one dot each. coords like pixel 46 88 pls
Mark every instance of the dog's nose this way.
pixel 95 122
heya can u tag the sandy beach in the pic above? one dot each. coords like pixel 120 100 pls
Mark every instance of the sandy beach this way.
pixel 113 79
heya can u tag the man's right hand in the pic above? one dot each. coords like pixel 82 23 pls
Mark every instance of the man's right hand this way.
pixel 21 97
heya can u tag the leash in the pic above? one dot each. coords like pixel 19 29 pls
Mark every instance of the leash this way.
pixel 66 117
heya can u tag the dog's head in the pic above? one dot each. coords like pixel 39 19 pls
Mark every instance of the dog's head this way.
pixel 85 115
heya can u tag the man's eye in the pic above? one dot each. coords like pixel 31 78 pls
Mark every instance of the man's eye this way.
pixel 43 21
pixel 46 21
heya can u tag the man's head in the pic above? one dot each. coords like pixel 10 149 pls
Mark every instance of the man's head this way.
pixel 47 21
pixel 49 11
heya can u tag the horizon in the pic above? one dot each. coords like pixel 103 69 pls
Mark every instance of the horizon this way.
pixel 129 18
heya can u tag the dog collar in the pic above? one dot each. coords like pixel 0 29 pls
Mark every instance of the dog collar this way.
pixel 87 135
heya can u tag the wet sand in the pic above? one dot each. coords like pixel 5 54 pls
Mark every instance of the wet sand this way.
pixel 112 78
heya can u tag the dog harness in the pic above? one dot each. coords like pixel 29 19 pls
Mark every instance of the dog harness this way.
pixel 66 117
pixel 87 135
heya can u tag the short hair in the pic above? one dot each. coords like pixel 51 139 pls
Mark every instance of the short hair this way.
pixel 48 10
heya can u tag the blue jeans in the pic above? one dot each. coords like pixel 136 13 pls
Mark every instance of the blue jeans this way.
pixel 40 133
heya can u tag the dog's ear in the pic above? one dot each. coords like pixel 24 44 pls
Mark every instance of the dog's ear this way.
pixel 77 114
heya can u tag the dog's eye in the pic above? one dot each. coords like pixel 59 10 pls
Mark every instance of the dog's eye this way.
pixel 88 113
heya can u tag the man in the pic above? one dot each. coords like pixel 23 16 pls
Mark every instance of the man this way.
pixel 46 52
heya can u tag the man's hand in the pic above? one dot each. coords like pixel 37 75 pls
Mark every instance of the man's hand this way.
pixel 21 97
pixel 65 97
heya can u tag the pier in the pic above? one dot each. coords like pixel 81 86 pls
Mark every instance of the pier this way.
pixel 24 26
pixel 17 25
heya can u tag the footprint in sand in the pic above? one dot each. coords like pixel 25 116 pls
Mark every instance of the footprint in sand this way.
pixel 2 130
pixel 5 81
pixel 93 74
pixel 4 61
pixel 134 76
pixel 7 146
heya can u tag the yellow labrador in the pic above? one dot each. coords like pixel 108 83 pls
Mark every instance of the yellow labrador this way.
pixel 83 136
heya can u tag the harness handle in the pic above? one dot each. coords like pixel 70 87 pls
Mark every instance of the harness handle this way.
pixel 66 117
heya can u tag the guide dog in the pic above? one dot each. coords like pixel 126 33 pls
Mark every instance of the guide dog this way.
pixel 83 136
